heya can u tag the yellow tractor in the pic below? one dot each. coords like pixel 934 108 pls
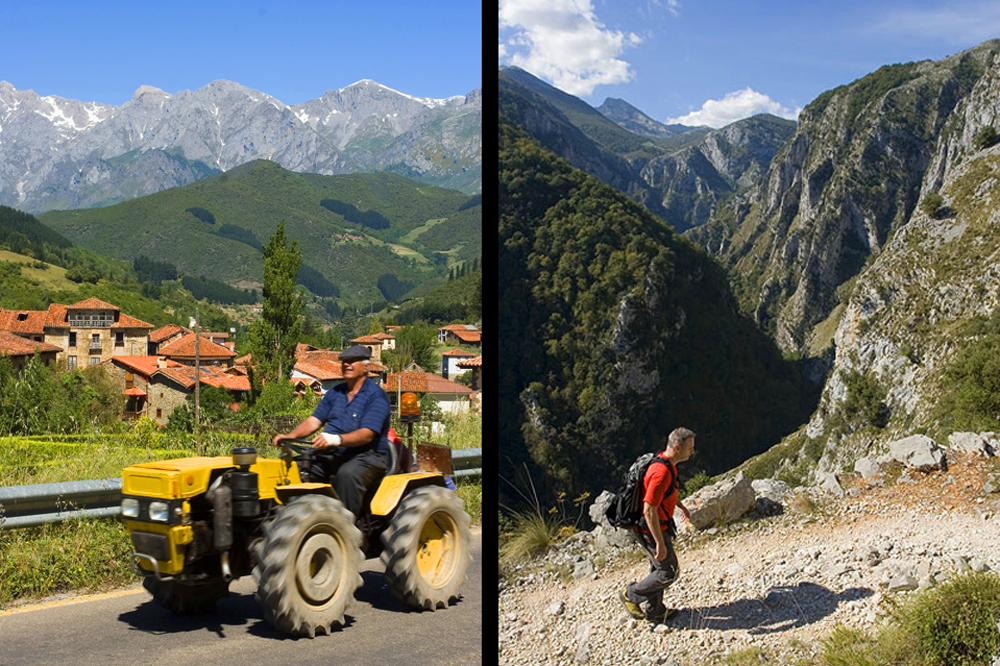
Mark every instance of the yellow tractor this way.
pixel 198 523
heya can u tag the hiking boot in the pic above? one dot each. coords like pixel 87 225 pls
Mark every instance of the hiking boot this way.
pixel 631 608
pixel 661 615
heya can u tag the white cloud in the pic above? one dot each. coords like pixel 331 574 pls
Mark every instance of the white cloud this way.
pixel 673 6
pixel 563 42
pixel 958 23
pixel 735 106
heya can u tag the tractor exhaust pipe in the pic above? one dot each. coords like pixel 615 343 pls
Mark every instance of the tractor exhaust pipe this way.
pixel 227 575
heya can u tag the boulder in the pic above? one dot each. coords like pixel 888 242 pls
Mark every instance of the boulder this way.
pixel 971 442
pixel 772 489
pixel 604 534
pixel 918 451
pixel 721 502
pixel 867 468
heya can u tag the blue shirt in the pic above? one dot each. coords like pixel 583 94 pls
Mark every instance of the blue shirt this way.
pixel 369 409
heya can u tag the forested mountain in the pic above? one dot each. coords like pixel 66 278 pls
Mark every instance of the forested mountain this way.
pixel 680 176
pixel 619 330
pixel 354 229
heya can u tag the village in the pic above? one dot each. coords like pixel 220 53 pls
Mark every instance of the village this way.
pixel 156 369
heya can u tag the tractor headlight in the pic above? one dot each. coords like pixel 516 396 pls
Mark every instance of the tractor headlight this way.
pixel 130 507
pixel 158 511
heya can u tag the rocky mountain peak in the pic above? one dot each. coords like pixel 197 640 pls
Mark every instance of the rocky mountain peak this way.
pixel 364 127
pixel 145 91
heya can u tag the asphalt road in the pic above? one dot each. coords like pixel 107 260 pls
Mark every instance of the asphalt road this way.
pixel 125 627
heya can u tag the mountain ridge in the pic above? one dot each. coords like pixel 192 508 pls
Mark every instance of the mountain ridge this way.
pixel 222 125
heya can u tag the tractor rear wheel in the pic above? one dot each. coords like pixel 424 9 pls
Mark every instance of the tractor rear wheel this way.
pixel 308 565
pixel 186 598
pixel 427 548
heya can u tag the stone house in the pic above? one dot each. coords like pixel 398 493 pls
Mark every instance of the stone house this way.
pixel 87 333
pixel 460 334
pixel 155 386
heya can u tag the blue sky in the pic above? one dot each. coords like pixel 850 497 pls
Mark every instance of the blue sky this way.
pixel 715 61
pixel 294 50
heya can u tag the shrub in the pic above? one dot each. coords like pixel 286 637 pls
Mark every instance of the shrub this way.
pixel 985 137
pixel 932 204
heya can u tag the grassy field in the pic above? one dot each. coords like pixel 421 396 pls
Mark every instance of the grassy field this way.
pixel 92 555
pixel 52 278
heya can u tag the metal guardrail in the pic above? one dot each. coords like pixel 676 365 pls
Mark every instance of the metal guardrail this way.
pixel 28 506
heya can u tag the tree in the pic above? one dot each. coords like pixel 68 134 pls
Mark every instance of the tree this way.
pixel 413 343
pixel 273 337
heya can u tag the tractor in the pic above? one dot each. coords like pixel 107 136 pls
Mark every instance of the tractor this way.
pixel 198 523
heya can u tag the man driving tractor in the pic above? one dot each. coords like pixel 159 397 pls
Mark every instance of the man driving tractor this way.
pixel 354 445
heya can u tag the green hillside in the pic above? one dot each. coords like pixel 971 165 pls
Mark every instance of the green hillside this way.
pixel 213 227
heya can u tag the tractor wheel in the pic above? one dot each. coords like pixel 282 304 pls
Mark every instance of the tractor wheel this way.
pixel 309 563
pixel 184 598
pixel 427 548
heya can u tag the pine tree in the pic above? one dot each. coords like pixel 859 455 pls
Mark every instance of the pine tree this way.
pixel 273 337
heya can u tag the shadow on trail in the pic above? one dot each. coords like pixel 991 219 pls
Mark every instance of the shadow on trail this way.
pixel 235 610
pixel 784 607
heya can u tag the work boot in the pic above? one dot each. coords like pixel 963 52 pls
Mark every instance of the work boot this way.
pixel 631 608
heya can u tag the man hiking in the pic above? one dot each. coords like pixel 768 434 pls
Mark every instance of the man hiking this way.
pixel 656 535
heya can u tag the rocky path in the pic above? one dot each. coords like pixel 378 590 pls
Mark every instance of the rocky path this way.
pixel 777 584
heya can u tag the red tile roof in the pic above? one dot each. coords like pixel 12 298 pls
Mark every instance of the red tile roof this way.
pixel 457 352
pixel 471 363
pixel 422 382
pixel 332 357
pixel 368 339
pixel 23 321
pixel 15 345
pixel 464 332
pixel 56 317
pixel 210 374
pixel 184 348
pixel 168 331
pixel 321 370
pixel 92 304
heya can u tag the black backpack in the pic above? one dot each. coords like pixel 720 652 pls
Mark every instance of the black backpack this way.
pixel 625 509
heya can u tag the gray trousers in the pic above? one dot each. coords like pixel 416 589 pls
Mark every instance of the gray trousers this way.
pixel 662 573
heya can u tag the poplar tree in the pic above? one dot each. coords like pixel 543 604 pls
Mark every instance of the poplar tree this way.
pixel 273 337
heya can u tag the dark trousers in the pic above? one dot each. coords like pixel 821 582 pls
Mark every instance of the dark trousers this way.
pixel 662 573
pixel 351 475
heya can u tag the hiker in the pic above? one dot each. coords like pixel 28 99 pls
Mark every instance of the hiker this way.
pixel 656 535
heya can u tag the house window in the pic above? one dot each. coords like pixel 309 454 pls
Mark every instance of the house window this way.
pixel 94 360
pixel 72 339
pixel 71 362
pixel 95 343
pixel 159 413
pixel 119 339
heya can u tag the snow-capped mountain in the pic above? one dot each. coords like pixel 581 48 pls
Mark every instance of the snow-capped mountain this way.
pixel 62 153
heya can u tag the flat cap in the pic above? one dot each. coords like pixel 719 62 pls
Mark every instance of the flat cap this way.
pixel 356 353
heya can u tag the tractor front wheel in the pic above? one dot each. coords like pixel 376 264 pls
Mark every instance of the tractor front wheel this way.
pixel 309 564
pixel 427 548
